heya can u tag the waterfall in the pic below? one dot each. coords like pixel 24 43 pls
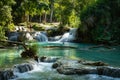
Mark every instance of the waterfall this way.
pixel 69 36
pixel 13 36
pixel 28 36
pixel 23 68
pixel 41 37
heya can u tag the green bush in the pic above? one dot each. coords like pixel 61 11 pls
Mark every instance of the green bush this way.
pixel 100 21
pixel 11 27
pixel 2 33
pixel 31 51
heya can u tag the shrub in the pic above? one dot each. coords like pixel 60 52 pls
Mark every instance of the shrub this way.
pixel 31 51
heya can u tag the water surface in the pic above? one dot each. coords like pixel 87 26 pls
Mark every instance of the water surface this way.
pixel 43 71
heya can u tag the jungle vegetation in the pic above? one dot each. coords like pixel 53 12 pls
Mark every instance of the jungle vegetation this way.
pixel 98 21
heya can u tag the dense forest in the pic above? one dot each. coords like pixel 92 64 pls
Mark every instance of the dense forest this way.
pixel 98 21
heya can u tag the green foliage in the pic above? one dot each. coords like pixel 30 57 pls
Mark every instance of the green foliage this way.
pixel 33 48
pixel 101 20
pixel 98 20
pixel 74 20
pixel 5 11
pixel 66 7
pixel 5 15
pixel 2 33
pixel 11 27
pixel 31 52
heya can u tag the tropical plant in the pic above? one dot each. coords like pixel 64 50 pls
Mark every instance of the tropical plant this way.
pixel 31 51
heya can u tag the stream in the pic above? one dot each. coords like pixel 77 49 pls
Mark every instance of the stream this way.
pixel 43 71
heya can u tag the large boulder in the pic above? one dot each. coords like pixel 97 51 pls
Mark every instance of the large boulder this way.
pixel 69 67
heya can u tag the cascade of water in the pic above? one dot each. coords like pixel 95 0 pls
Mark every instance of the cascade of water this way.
pixel 23 68
pixel 28 36
pixel 12 36
pixel 69 36
pixel 41 37
pixel 26 71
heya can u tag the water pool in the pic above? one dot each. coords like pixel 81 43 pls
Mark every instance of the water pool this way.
pixel 11 56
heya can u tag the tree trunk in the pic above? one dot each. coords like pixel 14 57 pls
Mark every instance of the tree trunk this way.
pixel 14 42
pixel 40 19
pixel 45 17
pixel 51 13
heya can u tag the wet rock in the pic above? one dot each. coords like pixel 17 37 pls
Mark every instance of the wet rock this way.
pixel 82 67
pixel 99 63
pixel 81 71
pixel 48 59
pixel 85 71
pixel 23 68
pixel 81 61
pixel 66 71
pixel 57 64
pixel 36 58
pixel 43 58
pixel 108 71
pixel 6 75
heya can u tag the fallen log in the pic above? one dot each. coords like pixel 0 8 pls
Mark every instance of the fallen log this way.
pixel 15 42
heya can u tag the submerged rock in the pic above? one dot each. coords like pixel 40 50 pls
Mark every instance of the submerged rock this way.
pixel 6 75
pixel 46 59
pixel 23 67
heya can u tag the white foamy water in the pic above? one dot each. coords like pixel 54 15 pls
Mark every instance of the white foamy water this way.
pixel 44 71
pixel 42 67
pixel 69 36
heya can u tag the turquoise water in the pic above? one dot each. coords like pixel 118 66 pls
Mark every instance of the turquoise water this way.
pixel 81 51
pixel 9 57
pixel 43 71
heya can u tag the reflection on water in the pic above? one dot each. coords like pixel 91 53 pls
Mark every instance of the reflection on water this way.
pixel 9 57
